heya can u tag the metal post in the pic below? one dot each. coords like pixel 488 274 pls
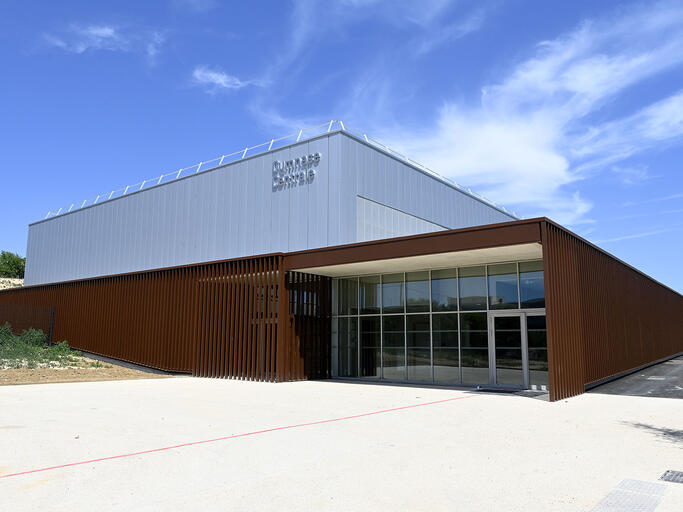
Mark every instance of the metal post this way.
pixel 299 136
pixel 160 177
pixel 126 191
pixel 221 162
pixel 271 144
pixel 199 166
pixel 329 128
pixel 110 194
pixel 244 153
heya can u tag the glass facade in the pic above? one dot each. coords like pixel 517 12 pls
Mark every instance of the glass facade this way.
pixel 433 326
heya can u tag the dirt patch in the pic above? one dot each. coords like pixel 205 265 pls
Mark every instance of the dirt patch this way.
pixel 83 369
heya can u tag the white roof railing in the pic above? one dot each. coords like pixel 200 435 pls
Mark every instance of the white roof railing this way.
pixel 298 136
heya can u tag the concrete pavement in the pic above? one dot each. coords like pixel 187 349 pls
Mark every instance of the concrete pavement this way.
pixel 472 452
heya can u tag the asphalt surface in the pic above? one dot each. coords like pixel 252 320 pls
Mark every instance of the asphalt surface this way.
pixel 663 380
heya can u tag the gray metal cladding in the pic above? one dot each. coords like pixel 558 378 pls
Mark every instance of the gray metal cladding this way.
pixel 233 211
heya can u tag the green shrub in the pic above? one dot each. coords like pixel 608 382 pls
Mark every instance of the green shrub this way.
pixel 31 348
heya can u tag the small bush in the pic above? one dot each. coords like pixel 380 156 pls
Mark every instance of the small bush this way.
pixel 31 348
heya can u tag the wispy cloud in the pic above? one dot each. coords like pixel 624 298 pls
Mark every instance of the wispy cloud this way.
pixel 660 199
pixel 426 25
pixel 530 140
pixel 636 235
pixel 80 39
pixel 440 35
pixel 215 80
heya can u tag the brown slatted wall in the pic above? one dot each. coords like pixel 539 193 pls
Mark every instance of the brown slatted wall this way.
pixel 603 317
pixel 22 318
pixel 213 320
pixel 309 326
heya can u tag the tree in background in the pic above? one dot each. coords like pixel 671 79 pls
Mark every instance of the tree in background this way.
pixel 11 265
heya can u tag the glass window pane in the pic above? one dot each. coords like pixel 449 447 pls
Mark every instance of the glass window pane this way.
pixel 419 358
pixel 369 295
pixel 445 339
pixel 508 340
pixel 474 340
pixel 394 347
pixel 472 288
pixel 531 287
pixel 417 292
pixel 370 347
pixel 503 286
pixel 444 290
pixel 538 350
pixel 347 351
pixel 348 296
pixel 392 293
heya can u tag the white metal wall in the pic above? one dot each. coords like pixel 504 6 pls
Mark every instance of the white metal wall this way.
pixel 233 211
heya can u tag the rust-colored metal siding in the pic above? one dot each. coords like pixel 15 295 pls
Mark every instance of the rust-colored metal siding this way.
pixel 259 319
pixel 23 318
pixel 212 320
pixel 309 324
pixel 603 316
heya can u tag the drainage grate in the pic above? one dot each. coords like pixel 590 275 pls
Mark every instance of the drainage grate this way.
pixel 672 476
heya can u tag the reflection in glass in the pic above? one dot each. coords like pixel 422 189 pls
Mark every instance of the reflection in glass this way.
pixel 538 350
pixel 445 339
pixel 347 355
pixel 419 358
pixel 503 286
pixel 348 296
pixel 531 288
pixel 472 288
pixel 417 292
pixel 474 346
pixel 508 338
pixel 370 347
pixel 393 352
pixel 444 290
pixel 392 293
pixel 369 295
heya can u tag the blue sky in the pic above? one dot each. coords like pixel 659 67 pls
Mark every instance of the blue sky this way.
pixel 573 110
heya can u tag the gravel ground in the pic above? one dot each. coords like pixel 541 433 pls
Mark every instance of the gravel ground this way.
pixel 9 282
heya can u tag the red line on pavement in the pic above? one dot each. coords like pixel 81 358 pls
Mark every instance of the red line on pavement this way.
pixel 234 436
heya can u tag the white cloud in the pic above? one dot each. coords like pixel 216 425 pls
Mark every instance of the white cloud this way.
pixel 440 35
pixel 214 80
pixel 530 141
pixel 81 39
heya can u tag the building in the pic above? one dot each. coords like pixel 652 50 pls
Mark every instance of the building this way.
pixel 321 284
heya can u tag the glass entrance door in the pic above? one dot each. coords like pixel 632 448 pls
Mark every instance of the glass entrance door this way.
pixel 507 349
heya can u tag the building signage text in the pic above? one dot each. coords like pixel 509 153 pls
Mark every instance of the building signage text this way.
pixel 297 171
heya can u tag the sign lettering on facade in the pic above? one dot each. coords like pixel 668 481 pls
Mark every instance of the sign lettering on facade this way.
pixel 297 171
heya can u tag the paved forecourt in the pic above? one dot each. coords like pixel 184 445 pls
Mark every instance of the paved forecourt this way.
pixel 381 449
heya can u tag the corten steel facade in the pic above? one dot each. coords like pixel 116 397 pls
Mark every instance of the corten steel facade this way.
pixel 270 317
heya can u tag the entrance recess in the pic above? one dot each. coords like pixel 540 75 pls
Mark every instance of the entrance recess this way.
pixel 508 349
pixel 511 351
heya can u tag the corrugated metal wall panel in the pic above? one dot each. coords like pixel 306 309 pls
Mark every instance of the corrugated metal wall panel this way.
pixel 233 212
pixel 603 317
